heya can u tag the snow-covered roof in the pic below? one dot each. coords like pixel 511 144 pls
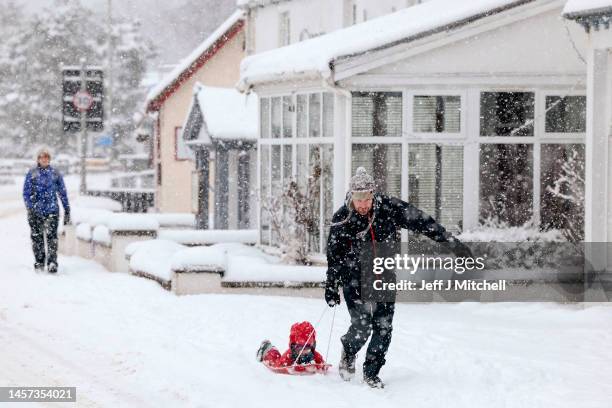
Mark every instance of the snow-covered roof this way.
pixel 315 57
pixel 227 114
pixel 193 61
pixel 583 7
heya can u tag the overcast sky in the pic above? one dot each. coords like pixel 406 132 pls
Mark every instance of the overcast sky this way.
pixel 176 26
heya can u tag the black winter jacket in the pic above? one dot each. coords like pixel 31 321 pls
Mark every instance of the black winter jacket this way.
pixel 389 215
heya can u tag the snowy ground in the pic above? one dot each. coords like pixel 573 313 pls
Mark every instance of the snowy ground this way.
pixel 124 341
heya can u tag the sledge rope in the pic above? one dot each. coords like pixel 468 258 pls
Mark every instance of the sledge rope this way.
pixel 331 329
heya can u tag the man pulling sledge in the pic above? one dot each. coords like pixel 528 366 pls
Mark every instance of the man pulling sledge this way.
pixel 365 218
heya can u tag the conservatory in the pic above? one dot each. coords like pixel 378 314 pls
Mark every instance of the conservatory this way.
pixel 475 116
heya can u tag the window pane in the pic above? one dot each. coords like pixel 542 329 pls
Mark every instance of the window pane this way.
pixel 302 101
pixel 437 114
pixel 265 117
pixel 327 174
pixel 328 114
pixel 287 117
pixel 506 113
pixel 276 182
pixel 302 167
pixel 506 183
pixel 566 115
pixel 314 197
pixel 276 117
pixel 562 187
pixel 265 194
pixel 287 163
pixel 376 114
pixel 314 114
pixel 383 162
pixel 435 182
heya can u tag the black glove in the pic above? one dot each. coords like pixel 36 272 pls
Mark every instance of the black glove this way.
pixel 459 248
pixel 332 296
pixel 66 217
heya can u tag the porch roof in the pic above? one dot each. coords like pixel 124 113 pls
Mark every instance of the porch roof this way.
pixel 315 58
pixel 226 114
pixel 574 8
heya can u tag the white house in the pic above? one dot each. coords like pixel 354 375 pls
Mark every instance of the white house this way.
pixel 467 109
pixel 273 23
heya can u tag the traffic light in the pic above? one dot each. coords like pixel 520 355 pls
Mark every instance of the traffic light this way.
pixel 89 100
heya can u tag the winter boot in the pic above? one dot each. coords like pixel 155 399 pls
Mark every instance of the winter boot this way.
pixel 374 382
pixel 39 268
pixel 346 368
pixel 52 267
pixel 266 346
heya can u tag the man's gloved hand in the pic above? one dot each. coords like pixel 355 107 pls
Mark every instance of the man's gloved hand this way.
pixel 332 295
pixel 67 218
pixel 459 248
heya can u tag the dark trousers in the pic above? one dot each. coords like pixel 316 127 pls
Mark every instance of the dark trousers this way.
pixel 44 227
pixel 368 318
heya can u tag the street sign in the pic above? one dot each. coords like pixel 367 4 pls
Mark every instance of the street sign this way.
pixel 76 82
pixel 82 100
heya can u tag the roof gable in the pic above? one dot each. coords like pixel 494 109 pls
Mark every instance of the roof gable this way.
pixel 194 61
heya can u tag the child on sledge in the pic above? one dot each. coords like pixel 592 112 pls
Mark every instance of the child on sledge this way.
pixel 300 358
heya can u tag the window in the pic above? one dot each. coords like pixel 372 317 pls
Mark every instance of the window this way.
pixel 302 115
pixel 264 184
pixel 558 201
pixel 435 182
pixel 566 114
pixel 276 190
pixel 284 29
pixel 264 122
pixel 314 114
pixel 437 114
pixel 302 167
pixel 327 182
pixel 506 183
pixel 287 117
pixel 276 117
pixel 314 197
pixel 383 162
pixel 506 113
pixel 287 169
pixel 376 114
pixel 181 150
pixel 328 115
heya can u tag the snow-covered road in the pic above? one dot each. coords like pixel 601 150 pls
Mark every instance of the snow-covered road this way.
pixel 124 341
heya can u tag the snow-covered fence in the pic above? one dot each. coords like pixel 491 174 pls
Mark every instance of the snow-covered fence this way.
pixel 132 200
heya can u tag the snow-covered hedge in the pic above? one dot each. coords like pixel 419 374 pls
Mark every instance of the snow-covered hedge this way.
pixel 206 237
pixel 174 220
pixel 99 203
pixel 101 235
pixel 83 231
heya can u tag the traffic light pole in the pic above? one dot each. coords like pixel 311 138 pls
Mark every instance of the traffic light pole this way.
pixel 83 185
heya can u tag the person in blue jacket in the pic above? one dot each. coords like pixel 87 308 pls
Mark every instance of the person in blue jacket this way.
pixel 41 187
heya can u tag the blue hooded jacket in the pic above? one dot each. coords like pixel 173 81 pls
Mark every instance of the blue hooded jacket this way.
pixel 40 190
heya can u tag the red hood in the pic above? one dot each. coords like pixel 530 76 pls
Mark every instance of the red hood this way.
pixel 300 333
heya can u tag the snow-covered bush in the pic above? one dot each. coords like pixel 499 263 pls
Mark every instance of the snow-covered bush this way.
pixel 569 189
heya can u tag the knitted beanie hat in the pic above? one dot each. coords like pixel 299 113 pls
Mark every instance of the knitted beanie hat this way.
pixel 362 184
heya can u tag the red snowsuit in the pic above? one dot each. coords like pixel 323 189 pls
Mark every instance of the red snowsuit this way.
pixel 301 334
